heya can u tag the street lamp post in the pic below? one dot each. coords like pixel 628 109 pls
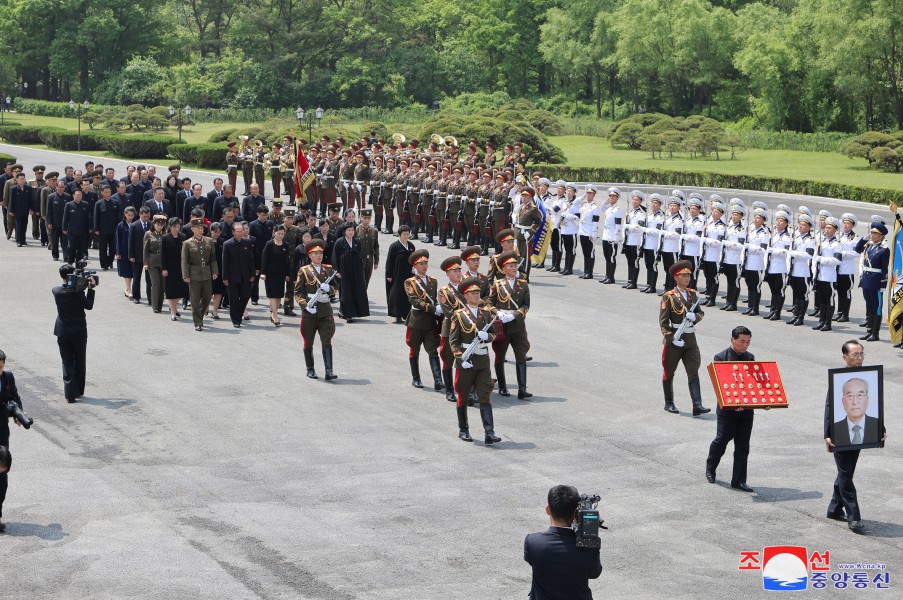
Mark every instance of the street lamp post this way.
pixel 78 109
pixel 299 112
pixel 172 112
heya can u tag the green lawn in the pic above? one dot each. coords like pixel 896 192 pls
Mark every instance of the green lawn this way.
pixel 584 151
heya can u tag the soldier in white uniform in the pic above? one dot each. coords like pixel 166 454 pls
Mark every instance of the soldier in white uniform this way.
pixel 691 239
pixel 819 236
pixel 672 228
pixel 612 233
pixel 652 234
pixel 633 237
pixel 554 208
pixel 570 227
pixel 801 254
pixel 712 248
pixel 776 270
pixel 756 250
pixel 590 213
pixel 734 246
pixel 827 259
pixel 849 261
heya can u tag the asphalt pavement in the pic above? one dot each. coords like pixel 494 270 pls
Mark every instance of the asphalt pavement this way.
pixel 206 465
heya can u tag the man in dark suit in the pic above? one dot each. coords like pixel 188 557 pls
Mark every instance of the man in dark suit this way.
pixel 261 230
pixel 20 207
pixel 56 208
pixel 193 201
pixel 238 272
pixel 250 203
pixel 160 204
pixel 107 214
pixel 220 203
pixel 560 569
pixel 71 331
pixel 215 193
pixel 844 505
pixel 8 393
pixel 136 252
pixel 77 227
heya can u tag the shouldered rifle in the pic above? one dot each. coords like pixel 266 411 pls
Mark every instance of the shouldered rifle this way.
pixel 475 343
pixel 686 322
pixel 316 297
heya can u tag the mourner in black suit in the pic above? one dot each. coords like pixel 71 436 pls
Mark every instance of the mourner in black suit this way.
pixel 160 204
pixel 56 206
pixel 20 206
pixel 77 219
pixel 238 272
pixel 136 252
pixel 561 571
pixel 107 215
pixel 71 331
pixel 844 505
pixel 8 393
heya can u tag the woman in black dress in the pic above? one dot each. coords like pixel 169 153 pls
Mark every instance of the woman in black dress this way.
pixel 299 255
pixel 171 260
pixel 397 270
pixel 219 288
pixel 171 192
pixel 348 263
pixel 123 264
pixel 274 270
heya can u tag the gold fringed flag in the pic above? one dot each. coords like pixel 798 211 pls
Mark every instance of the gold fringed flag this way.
pixel 895 281
pixel 304 174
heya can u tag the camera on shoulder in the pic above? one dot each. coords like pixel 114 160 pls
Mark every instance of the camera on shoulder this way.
pixel 587 522
pixel 78 280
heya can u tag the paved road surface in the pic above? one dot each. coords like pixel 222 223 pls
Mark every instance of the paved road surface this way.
pixel 205 465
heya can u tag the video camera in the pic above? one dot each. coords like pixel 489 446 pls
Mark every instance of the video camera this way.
pixel 78 280
pixel 588 523
pixel 16 413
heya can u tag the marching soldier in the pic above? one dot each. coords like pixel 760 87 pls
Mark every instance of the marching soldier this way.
pixel 511 296
pixel 635 221
pixel 801 253
pixel 471 258
pixel 232 163
pixel 473 323
pixel 776 270
pixel 652 236
pixel 505 239
pixel 676 306
pixel 529 219
pixel 423 319
pixel 312 291
pixel 612 233
pixel 875 262
pixel 369 238
pixel 246 156
pixel 754 265
pixel 199 269
pixel 274 160
pixel 450 300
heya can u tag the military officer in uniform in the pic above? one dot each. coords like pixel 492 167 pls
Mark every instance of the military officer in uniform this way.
pixel 38 231
pixel 676 305
pixel 423 319
pixel 469 323
pixel 691 239
pixel 450 301
pixel 612 234
pixel 274 158
pixel 754 264
pixel 471 258
pixel 634 223
pixel 510 294
pixel 232 163
pixel 826 273
pixel 875 261
pixel 529 219
pixel 199 269
pixel 776 268
pixel 369 238
pixel 260 153
pixel 801 253
pixel 312 291
pixel 246 156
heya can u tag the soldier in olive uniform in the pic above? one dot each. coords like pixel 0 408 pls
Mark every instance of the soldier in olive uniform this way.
pixel 457 195
pixel 360 180
pixel 43 204
pixel 314 283
pixel 450 300
pixel 484 213
pixel 423 319
pixel 387 198
pixel 529 219
pixel 246 155
pixel 440 205
pixel 274 157
pixel 260 153
pixel 7 190
pixel 471 258
pixel 428 205
pixel 232 163
pixel 676 305
pixel 199 269
pixel 506 239
pixel 511 295
pixel 38 231
pixel 293 239
pixel 470 207
pixel 369 238
pixel 470 323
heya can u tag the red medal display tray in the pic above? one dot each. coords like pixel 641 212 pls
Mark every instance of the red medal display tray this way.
pixel 754 384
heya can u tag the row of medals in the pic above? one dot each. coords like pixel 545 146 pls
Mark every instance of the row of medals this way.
pixel 733 391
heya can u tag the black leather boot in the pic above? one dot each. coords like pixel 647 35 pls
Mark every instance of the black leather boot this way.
pixel 876 328
pixel 868 332
pixel 488 426
pixel 463 429
pixel 437 373
pixel 309 362
pixel 415 372
pixel 668 388
pixel 696 397
pixel 327 363
pixel 500 378
pixel 472 399
pixel 521 371
pixel 449 385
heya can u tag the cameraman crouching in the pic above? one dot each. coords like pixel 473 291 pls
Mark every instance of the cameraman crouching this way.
pixel 71 328
pixel 561 570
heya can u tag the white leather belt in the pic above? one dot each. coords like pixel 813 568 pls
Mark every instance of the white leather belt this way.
pixel 871 270
pixel 688 329
pixel 323 298
pixel 481 350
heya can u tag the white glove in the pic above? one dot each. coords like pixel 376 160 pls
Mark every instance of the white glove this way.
pixel 506 317
pixel 438 310
pixel 311 308
pixel 678 343
pixel 325 287
pixel 691 317
pixel 483 335
pixel 466 365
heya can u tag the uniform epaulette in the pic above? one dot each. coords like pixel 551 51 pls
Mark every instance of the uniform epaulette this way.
pixel 325 265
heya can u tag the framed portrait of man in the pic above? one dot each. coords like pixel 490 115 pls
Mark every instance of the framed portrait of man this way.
pixel 856 401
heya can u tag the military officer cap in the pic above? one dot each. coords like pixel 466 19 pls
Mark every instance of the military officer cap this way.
pixel 716 198
pixel 243 138
pixel 232 144
pixel 679 194
pixel 613 191
pixel 506 257
pixel 806 218
pixel 784 208
pixel 288 212
pixel 878 219
pixel 696 195
pixel 737 202
pixel 697 202
pixel 418 256
pixel 52 175
pixel 39 168
pixel 417 162
pixel 591 188
pixel 782 215
pixel 656 198
pixel 17 167
pixel 715 205
pixel 760 212
pixel 366 212
pixel 315 245
pixel 445 168
pixel 674 200
pixel 378 157
pixel 450 263
pixel 832 221
pixel 560 183
pixel 335 207
pixel 849 217
pixel 431 165
pixel 824 214
pixel 681 266
pixel 527 191
pixel 490 145
pixel 197 222
pixel 179 167
pixel 544 180
pixel 277 145
pixel 487 174
pixel 877 227
pixel 458 169
pixel 505 234
pixel 276 203
pixel 390 160
pixel 736 209
pixel 500 175
pixel 573 186
pixel 469 284
pixel 163 218
pixel 346 152
pixel 414 143
pixel 760 204
pixel 471 252
pixel 638 194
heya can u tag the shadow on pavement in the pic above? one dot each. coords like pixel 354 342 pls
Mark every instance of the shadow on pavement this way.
pixel 341 381
pixel 112 403
pixel 501 402
pixel 783 494
pixel 881 529
pixel 52 532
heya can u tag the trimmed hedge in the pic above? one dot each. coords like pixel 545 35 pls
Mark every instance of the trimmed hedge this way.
pixel 141 146
pixel 64 139
pixel 126 146
pixel 718 180
pixel 7 157
pixel 16 134
pixel 206 156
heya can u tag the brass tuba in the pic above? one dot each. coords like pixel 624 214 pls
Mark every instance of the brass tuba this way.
pixel 398 138
pixel 437 139
pixel 451 141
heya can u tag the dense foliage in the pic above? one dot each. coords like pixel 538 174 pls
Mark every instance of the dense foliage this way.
pixel 802 65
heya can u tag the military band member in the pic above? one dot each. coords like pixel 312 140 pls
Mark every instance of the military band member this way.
pixel 612 234
pixel 450 301
pixel 369 238
pixel 423 320
pixel 776 271
pixel 468 324
pixel 691 238
pixel 199 269
pixel 287 169
pixel 875 262
pixel 827 260
pixel 272 162
pixel 754 263
pixel 676 305
pixel 511 296
pixel 731 262
pixel 652 235
pixel 232 163
pixel 317 318
pixel 801 253
pixel 246 155
pixel 387 198
pixel 260 154
pixel 849 261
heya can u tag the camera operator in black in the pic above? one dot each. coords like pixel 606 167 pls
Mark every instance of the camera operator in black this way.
pixel 71 331
pixel 560 569
pixel 8 394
